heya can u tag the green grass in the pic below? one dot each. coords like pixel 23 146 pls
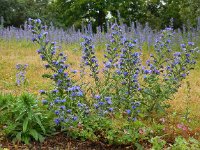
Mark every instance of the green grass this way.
pixel 24 52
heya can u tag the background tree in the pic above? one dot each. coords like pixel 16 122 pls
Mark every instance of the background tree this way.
pixel 131 10
pixel 78 11
pixel 67 13
pixel 189 11
pixel 171 10
pixel 16 12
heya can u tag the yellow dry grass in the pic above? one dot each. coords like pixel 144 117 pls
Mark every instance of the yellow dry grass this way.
pixel 183 99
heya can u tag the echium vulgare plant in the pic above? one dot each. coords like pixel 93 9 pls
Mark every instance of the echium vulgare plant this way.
pixel 121 68
pixel 66 99
pixel 111 55
pixel 164 71
pixel 89 58
pixel 106 95
pixel 128 74
pixel 102 102
pixel 128 85
pixel 21 74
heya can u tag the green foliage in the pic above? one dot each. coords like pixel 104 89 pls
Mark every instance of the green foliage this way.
pixel 183 144
pixel 157 143
pixel 67 13
pixel 189 11
pixel 23 119
pixel 96 128
pixel 16 12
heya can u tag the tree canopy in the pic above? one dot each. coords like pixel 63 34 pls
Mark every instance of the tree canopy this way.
pixel 65 13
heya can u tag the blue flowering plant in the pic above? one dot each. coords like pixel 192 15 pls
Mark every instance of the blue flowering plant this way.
pixel 164 71
pixel 121 69
pixel 66 99
pixel 126 88
pixel 89 59
pixel 21 74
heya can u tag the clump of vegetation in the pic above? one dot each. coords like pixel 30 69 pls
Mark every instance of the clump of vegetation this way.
pixel 22 119
pixel 21 74
pixel 130 88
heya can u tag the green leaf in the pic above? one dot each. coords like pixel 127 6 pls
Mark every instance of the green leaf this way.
pixel 34 134
pixel 41 138
pixel 46 76
pixel 26 139
pixel 20 116
pixel 139 146
pixel 19 136
pixel 40 124
pixel 25 124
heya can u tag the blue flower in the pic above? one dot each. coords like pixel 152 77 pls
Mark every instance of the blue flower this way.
pixel 75 118
pixel 54 91
pixel 47 66
pixel 109 102
pixel 125 74
pixel 118 72
pixel 101 103
pixel 63 100
pixel 39 51
pixel 55 75
pixel 183 75
pixel 79 93
pixel 62 107
pixel 80 105
pixel 168 41
pixel 57 121
pixel 59 82
pixel 57 112
pixel 69 111
pixel 111 109
pixel 74 71
pixel 187 55
pixel 60 70
pixel 133 107
pixel 148 71
pixel 134 118
pixel 42 57
pixel 97 97
pixel 177 54
pixel 96 106
pixel 108 98
pixel 183 45
pixel 38 21
pixel 168 67
pixel 34 39
pixel 44 102
pixel 108 64
pixel 42 91
pixel 183 68
pixel 56 101
pixel 191 43
pixel 65 75
pixel 128 111
pixel 131 45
